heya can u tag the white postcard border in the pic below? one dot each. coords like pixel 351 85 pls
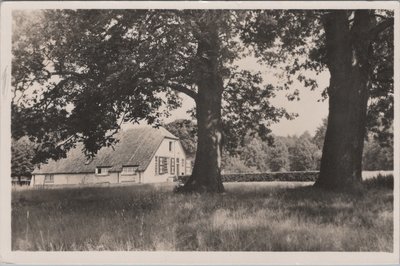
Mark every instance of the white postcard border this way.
pixel 168 258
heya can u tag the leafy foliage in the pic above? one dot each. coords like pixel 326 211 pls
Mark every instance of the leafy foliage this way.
pixel 319 136
pixel 304 155
pixel 301 46
pixel 301 49
pixel 279 160
pixel 78 74
pixel 381 106
pixel 22 154
pixel 280 154
pixel 234 164
pixel 376 157
pixel 254 154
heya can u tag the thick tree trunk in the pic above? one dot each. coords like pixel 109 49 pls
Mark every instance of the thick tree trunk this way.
pixel 206 175
pixel 347 51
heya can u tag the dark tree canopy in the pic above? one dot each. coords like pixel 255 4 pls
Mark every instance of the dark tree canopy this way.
pixel 87 70
pixel 79 74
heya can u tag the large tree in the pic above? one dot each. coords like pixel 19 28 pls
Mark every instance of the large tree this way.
pixel 356 47
pixel 350 51
pixel 78 74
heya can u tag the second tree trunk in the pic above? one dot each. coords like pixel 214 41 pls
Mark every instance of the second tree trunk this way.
pixel 347 53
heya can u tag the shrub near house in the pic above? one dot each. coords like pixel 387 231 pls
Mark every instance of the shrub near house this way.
pixel 143 154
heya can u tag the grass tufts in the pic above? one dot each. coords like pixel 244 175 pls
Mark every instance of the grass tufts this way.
pixel 262 216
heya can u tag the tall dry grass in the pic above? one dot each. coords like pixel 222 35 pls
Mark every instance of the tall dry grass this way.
pixel 273 216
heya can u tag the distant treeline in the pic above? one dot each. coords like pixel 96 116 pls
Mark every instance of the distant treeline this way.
pixel 290 153
pixel 298 153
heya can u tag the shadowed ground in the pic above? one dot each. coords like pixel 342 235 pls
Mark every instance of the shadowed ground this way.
pixel 270 216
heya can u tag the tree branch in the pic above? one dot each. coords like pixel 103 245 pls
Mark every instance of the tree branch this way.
pixel 382 80
pixel 374 32
pixel 183 89
pixel 176 87
pixel 62 73
pixel 380 16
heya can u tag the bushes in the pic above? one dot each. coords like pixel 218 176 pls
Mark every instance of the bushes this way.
pixel 380 181
pixel 260 177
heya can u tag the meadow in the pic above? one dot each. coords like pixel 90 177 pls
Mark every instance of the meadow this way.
pixel 262 216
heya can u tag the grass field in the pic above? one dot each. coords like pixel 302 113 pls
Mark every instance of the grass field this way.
pixel 273 216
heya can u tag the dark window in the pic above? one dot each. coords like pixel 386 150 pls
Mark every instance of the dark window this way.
pixel 170 146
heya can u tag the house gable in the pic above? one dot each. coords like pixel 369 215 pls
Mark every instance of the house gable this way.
pixel 176 155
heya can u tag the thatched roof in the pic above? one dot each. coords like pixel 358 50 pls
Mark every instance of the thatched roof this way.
pixel 136 147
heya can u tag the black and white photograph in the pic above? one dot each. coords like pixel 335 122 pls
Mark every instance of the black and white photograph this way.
pixel 201 132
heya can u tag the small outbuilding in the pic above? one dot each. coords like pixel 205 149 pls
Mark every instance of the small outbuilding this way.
pixel 143 155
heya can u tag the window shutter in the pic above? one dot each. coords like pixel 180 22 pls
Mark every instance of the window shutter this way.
pixel 160 169
pixel 156 165
pixel 165 165
pixel 172 165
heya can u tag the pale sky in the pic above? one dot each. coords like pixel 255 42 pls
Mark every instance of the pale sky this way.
pixel 310 111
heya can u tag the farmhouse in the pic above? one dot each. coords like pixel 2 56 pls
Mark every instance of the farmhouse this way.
pixel 143 154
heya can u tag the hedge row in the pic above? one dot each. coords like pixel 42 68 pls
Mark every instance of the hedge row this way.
pixel 260 177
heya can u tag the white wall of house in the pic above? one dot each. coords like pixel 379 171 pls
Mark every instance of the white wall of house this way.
pixel 83 178
pixel 176 152
pixel 123 178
